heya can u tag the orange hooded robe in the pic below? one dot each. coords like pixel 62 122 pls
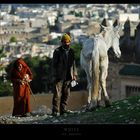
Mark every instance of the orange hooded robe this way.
pixel 21 92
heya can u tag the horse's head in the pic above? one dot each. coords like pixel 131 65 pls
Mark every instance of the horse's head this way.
pixel 115 41
pixel 112 38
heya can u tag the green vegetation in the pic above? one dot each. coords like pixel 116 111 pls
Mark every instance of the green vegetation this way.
pixel 13 39
pixel 78 14
pixel 77 49
pixel 55 41
pixel 5 88
pixel 125 111
pixel 1 52
pixel 41 68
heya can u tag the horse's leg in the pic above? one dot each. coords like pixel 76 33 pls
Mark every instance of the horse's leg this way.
pixel 86 66
pixel 103 85
pixel 95 79
pixel 89 81
pixel 99 96
pixel 89 88
pixel 88 70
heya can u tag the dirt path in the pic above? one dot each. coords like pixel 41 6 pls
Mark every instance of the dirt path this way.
pixel 76 100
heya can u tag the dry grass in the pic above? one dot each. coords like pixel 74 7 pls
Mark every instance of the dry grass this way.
pixel 76 101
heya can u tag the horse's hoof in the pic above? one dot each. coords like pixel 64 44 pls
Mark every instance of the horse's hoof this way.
pixel 90 109
pixel 98 104
pixel 108 103
pixel 84 108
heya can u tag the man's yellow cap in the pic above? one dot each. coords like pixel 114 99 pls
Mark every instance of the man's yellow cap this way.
pixel 66 38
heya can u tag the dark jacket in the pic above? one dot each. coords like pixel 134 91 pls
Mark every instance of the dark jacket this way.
pixel 63 65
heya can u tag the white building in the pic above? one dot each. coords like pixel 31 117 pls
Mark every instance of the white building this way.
pixel 131 16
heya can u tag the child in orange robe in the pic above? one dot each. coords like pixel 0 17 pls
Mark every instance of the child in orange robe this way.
pixel 21 75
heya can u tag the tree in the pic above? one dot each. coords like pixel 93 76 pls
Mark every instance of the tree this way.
pixel 82 81
pixel 5 88
pixel 13 39
pixel 77 49
pixel 1 52
pixel 41 68
pixel 78 14
pixel 42 72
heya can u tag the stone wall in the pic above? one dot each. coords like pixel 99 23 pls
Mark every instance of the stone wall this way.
pixel 114 80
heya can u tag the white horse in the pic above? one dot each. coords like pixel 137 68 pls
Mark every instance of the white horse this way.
pixel 94 60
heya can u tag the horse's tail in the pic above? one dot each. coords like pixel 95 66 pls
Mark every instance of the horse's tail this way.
pixel 95 73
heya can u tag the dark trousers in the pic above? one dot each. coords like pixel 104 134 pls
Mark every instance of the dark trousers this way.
pixel 60 96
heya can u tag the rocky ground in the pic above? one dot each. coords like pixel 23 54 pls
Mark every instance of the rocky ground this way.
pixel 40 116
pixel 126 111
pixel 80 122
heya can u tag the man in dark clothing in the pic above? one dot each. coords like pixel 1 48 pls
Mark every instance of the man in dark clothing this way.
pixel 64 71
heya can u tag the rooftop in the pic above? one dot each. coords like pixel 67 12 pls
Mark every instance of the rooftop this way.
pixel 130 70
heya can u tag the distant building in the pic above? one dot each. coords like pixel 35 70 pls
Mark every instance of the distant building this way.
pixel 64 26
pixel 131 16
pixel 130 80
